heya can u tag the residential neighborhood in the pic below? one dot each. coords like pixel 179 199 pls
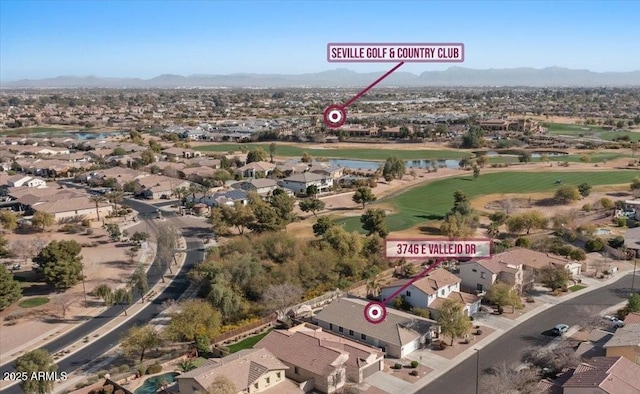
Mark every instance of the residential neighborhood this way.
pixel 319 198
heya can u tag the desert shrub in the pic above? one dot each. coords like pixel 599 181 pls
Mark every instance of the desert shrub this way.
pixel 414 364
pixel 397 366
pixel 523 242
pixel 101 374
pixel 594 245
pixel 587 207
pixel 92 380
pixel 622 222
pixel 413 373
pixel 478 332
pixel 154 368
pixel 141 370
pixel 578 254
pixel 114 371
pixel 86 222
pixel 123 368
pixel 88 231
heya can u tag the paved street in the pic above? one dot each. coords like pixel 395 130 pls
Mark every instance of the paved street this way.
pixel 191 229
pixel 508 348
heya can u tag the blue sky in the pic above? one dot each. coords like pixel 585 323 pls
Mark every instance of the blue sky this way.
pixel 40 39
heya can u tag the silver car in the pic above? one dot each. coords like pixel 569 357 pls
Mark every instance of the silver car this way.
pixel 560 329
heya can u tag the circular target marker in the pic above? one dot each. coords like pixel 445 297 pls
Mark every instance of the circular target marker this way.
pixel 335 116
pixel 375 312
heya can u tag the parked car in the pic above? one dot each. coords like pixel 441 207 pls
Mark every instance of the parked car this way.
pixel 560 329
pixel 614 321
pixel 17 266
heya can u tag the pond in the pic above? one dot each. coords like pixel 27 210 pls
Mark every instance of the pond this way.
pixel 536 154
pixel 373 165
pixel 152 384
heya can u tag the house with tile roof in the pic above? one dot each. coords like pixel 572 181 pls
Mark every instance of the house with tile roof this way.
pixel 255 169
pixel 478 276
pixel 604 375
pixel 250 371
pixel 298 183
pixel 431 290
pixel 398 335
pixel 75 207
pixel 263 187
pixel 625 342
pixel 328 360
pixel 516 266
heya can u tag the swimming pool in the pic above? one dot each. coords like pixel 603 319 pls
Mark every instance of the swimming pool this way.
pixel 152 384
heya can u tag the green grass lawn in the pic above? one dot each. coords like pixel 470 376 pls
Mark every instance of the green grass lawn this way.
pixel 589 131
pixel 199 361
pixel 248 342
pixel 577 287
pixel 342 153
pixel 594 158
pixel 432 201
pixel 33 302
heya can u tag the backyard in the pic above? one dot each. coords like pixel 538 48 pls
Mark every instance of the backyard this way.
pixel 432 201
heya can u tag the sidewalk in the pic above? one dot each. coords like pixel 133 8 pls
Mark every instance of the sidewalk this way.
pixel 146 257
pixel 82 375
pixel 441 365
pixel 116 322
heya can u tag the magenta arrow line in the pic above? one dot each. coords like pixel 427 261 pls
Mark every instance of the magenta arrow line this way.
pixel 415 278
pixel 377 81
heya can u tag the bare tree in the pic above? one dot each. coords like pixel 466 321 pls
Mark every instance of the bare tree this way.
pixel 23 248
pixel 63 302
pixel 509 379
pixel 590 318
pixel 280 298
pixel 552 358
pixel 222 385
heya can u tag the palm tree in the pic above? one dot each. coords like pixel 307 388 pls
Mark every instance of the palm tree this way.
pixel 181 193
pixel 97 200
pixel 373 287
pixel 115 197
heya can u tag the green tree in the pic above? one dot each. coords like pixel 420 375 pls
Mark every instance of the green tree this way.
pixel 138 339
pixel 266 217
pixel 455 225
pixel 32 363
pixel 61 263
pixel 498 217
pixel 115 197
pixel 322 225
pixel 255 155
pixel 97 200
pixel 346 244
pixel 394 168
pixel 272 150
pixel 473 138
pixel 192 319
pixel 283 205
pixel 312 190
pixel 239 216
pixel 527 221
pixel 147 157
pixel 567 193
pixel 312 205
pixel 584 189
pixel 119 152
pixel 139 237
pixel 476 171
pixel 524 157
pixel 105 292
pixel 139 282
pixel 226 299
pixel 503 294
pixel 554 277
pixel 374 222
pixel 122 297
pixel 364 195
pixel 43 220
pixel 114 231
pixel 8 220
pixel 452 319
pixel 10 290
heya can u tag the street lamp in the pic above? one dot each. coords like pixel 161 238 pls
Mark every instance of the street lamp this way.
pixel 84 289
pixel 633 278
pixel 477 370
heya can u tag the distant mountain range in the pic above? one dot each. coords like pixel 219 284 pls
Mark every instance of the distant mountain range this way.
pixel 454 77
